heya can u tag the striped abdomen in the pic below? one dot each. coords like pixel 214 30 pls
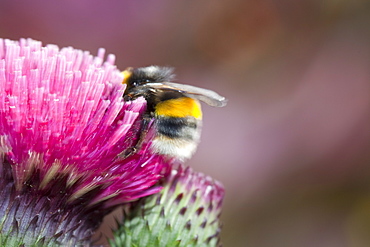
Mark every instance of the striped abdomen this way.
pixel 178 124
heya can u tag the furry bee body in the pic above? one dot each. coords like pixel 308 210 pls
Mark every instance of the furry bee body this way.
pixel 174 107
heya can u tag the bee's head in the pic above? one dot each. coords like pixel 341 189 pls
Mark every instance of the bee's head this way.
pixel 139 81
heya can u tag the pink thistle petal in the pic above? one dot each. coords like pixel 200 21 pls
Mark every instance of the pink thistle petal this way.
pixel 62 111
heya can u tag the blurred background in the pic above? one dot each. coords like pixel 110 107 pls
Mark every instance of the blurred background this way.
pixel 292 146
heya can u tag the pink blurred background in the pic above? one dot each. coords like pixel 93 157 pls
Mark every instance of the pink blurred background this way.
pixel 292 146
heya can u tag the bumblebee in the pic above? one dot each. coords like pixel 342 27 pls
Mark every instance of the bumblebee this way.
pixel 174 107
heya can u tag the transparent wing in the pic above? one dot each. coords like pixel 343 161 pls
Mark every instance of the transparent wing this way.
pixel 207 96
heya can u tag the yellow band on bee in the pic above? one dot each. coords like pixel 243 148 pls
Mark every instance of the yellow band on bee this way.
pixel 180 107
pixel 126 75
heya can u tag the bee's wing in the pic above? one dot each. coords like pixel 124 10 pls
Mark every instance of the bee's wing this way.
pixel 207 96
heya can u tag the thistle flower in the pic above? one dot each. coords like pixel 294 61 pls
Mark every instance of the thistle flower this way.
pixel 63 124
pixel 184 214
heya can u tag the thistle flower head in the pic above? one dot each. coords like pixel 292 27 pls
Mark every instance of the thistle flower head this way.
pixel 63 124
pixel 185 213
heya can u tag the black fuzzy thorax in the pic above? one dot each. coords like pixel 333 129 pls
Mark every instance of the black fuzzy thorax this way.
pixel 151 74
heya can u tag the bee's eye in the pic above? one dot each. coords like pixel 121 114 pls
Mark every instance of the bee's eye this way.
pixel 139 82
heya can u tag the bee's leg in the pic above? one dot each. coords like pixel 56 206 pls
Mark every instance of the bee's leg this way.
pixel 144 128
